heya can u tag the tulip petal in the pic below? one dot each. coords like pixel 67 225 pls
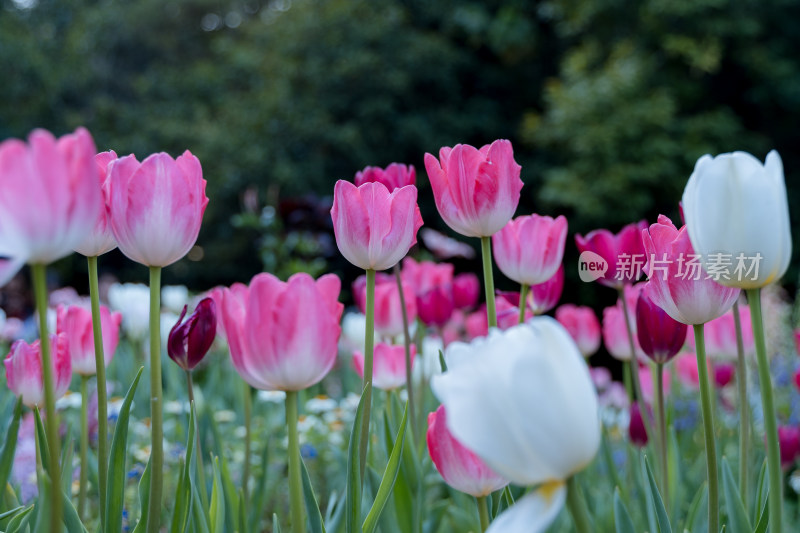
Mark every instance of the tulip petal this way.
pixel 533 513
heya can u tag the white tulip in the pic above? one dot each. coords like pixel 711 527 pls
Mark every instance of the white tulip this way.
pixel 737 207
pixel 174 297
pixel 133 301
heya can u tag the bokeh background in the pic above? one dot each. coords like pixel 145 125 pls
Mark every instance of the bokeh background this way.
pixel 608 104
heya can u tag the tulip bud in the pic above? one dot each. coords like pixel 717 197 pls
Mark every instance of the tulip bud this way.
pixel 24 369
pixel 393 177
pixel 190 341
pixel 623 253
pixel 529 249
pixel 389 371
pixel 789 440
pixel 723 374
pixel 636 429
pixel 76 323
pixel 660 336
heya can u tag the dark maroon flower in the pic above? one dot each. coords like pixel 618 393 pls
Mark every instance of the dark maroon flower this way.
pixel 190 341
pixel 660 336
pixel 636 429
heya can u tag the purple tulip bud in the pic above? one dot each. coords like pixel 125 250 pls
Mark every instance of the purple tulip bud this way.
pixel 660 336
pixel 190 341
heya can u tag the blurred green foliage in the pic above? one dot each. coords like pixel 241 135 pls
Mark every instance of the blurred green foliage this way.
pixel 608 102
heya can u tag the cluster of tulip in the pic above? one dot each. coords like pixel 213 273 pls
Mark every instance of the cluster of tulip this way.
pixel 518 415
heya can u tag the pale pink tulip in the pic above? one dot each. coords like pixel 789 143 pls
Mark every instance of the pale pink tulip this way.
pixel 686 297
pixel 423 276
pixel 542 297
pixel 75 323
pixel 24 369
pixel 615 330
pixel 156 207
pixel 476 191
pixel 283 335
pixel 720 335
pixel 648 383
pixel 101 239
pixel 623 252
pixel 49 195
pixel 582 325
pixel 395 176
pixel 686 370
pixel 389 370
pixel 388 311
pixel 529 249
pixel 460 468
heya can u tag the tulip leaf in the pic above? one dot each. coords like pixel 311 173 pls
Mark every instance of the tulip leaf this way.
pixel 115 497
pixel 20 521
pixel 144 500
pixel 660 511
pixel 181 515
pixel 44 452
pixel 231 495
pixel 442 362
pixel 217 510
pixel 353 498
pixel 312 507
pixel 763 489
pixel 737 515
pixel 696 518
pixel 276 525
pixel 389 477
pixel 9 514
pixel 622 518
pixel 763 521
pixel 10 446
pixel 242 514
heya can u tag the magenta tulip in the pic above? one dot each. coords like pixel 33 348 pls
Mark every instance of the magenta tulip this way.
pixel 582 325
pixel 686 296
pixel 283 335
pixel 101 239
pixel 436 306
pixel 460 468
pixel 156 206
pixel 687 370
pixel 389 372
pixel 623 252
pixel 388 311
pixel 466 291
pixel 374 228
pixel 75 322
pixel 724 374
pixel 543 297
pixel 50 198
pixel 636 428
pixel 189 341
pixel 395 176
pixel 659 335
pixel 424 275
pixel 476 191
pixel 529 249
pixel 789 440
pixel 24 369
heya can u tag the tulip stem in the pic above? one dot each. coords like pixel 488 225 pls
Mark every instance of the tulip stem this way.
pixel 369 345
pixel 577 507
pixel 248 419
pixel 483 512
pixel 488 280
pixel 295 482
pixel 523 295
pixel 84 479
pixel 662 432
pixel 770 421
pixel 156 415
pixel 51 419
pixel 102 401
pixel 634 367
pixel 201 475
pixel 708 429
pixel 744 406
pixel 407 344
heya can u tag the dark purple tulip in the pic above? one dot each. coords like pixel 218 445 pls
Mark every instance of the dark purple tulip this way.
pixel 723 374
pixel 190 341
pixel 636 429
pixel 660 336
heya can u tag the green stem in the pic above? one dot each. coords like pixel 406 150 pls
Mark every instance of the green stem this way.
pixel 84 479
pixel 708 429
pixel 369 345
pixel 577 507
pixel 201 475
pixel 662 433
pixel 156 414
pixel 488 280
pixel 295 481
pixel 744 407
pixel 770 420
pixel 248 419
pixel 102 401
pixel 483 512
pixel 628 381
pixel 389 413
pixel 523 295
pixel 407 345
pixel 634 367
pixel 51 419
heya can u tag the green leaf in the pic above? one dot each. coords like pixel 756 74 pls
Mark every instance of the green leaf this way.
pixel 696 519
pixel 217 510
pixel 144 500
pixel 199 519
pixel 763 489
pixel 242 514
pixel 312 507
pixel 42 436
pixel 737 515
pixel 67 454
pixel 622 518
pixel 763 519
pixel 11 513
pixel 182 513
pixel 10 446
pixel 20 521
pixel 442 362
pixel 276 526
pixel 389 477
pixel 353 498
pixel 231 496
pixel 115 496
pixel 658 505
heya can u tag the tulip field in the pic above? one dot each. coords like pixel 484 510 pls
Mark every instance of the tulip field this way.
pixel 431 402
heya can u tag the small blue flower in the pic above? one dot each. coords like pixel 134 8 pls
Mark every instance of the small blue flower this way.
pixel 307 451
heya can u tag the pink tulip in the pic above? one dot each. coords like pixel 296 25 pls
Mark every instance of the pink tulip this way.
pixel 50 197
pixel 389 370
pixel 724 374
pixel 601 377
pixel 529 249
pixel 648 383
pixel 395 176
pixel 101 239
pixel 388 311
pixel 477 324
pixel 435 306
pixel 156 207
pixel 466 290
pixel 374 228
pixel 659 335
pixel 720 335
pixel 672 286
pixel 615 329
pixel 283 335
pixel 623 252
pixel 75 322
pixel 24 369
pixel 189 341
pixel 797 379
pixel 686 370
pixel 789 440
pixel 636 429
pixel 542 297
pixel 460 468
pixel 582 325
pixel 455 329
pixel 476 191
pixel 424 275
